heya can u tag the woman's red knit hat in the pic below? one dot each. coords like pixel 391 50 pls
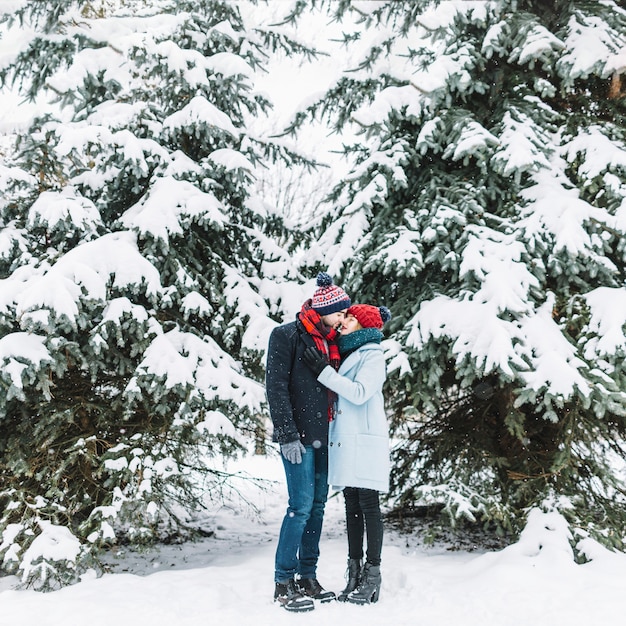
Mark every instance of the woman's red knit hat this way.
pixel 370 316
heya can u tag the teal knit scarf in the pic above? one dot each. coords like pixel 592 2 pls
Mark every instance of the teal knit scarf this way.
pixel 349 343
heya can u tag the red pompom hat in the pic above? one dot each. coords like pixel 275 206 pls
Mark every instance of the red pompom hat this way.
pixel 370 316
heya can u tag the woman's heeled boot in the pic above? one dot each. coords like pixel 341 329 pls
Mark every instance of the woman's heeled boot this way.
pixel 353 575
pixel 369 588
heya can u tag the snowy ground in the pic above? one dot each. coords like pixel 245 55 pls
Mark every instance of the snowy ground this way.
pixel 227 579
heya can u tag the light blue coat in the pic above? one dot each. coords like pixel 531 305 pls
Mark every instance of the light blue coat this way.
pixel 358 441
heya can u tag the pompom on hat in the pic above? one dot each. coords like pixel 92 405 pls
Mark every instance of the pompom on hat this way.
pixel 329 298
pixel 370 316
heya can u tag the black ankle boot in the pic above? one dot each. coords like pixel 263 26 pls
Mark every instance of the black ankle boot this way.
pixel 369 587
pixel 290 597
pixel 353 575
pixel 311 588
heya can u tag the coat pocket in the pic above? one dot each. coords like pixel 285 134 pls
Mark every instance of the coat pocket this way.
pixel 372 457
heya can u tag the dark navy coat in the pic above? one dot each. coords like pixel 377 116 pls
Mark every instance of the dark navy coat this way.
pixel 298 402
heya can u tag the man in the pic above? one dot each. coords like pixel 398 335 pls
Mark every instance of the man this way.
pixel 301 408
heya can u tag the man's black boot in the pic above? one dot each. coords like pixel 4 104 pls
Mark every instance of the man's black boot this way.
pixel 291 598
pixel 310 587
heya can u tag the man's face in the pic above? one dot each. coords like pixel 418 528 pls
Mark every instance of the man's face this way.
pixel 334 320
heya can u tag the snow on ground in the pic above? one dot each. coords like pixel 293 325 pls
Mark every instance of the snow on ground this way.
pixel 226 579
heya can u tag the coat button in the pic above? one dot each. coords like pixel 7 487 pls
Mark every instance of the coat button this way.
pixel 339 445
pixel 318 414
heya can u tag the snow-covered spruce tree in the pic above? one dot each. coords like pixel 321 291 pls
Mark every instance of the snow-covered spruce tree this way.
pixel 136 272
pixel 488 211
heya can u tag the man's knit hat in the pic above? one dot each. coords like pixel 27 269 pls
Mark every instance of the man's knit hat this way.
pixel 370 316
pixel 329 298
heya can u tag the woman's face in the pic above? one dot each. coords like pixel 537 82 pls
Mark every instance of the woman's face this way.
pixel 350 324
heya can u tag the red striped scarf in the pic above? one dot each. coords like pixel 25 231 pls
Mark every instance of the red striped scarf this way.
pixel 325 341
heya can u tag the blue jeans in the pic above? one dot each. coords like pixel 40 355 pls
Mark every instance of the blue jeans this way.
pixel 299 540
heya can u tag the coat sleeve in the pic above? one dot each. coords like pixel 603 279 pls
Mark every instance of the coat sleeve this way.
pixel 367 381
pixel 277 377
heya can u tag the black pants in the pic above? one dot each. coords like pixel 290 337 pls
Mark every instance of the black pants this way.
pixel 363 517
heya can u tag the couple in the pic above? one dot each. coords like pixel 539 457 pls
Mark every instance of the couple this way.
pixel 324 379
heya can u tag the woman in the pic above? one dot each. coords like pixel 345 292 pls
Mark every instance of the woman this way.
pixel 358 453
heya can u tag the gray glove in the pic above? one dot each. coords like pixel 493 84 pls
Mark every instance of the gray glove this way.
pixel 293 451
